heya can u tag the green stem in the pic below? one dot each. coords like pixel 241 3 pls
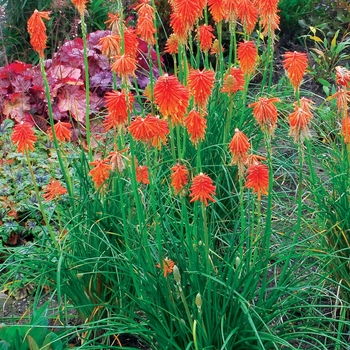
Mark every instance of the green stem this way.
pixel 64 169
pixel 41 207
pixel 87 88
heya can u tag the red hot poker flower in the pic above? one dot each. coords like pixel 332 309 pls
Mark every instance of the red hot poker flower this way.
pixel 201 83
pixel 53 190
pixel 196 126
pixel 124 66
pixel 110 45
pixel 217 10
pixel 299 122
pixel 295 64
pixel 202 189
pixel 179 177
pixel 62 130
pixel 258 179
pixel 171 97
pixel 145 25
pixel 80 5
pixel 37 31
pixel 172 44
pixel 239 146
pixel 142 174
pixel 23 136
pixel 342 76
pixel 345 124
pixel 265 113
pixel 119 105
pixel 168 266
pixel 247 55
pixel 233 81
pixel 149 129
pixel 205 37
pixel 248 14
pixel 100 172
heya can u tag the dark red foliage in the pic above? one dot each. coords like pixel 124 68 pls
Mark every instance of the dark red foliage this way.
pixel 22 92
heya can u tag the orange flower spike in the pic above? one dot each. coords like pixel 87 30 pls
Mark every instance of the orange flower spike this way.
pixel 53 190
pixel 239 146
pixel 62 130
pixel 230 9
pixel 299 122
pixel 248 14
pixel 172 44
pixel 295 64
pixel 37 31
pixel 205 37
pixel 144 129
pixel 179 177
pixel 162 130
pixel 168 266
pixel 145 25
pixel 110 45
pixel 23 136
pixel 200 84
pixel 345 125
pixel 342 76
pixel 266 113
pixel 131 42
pixel 179 27
pixel 215 48
pixel 343 97
pixel 113 22
pixel 202 189
pixel 80 5
pixel 247 55
pixel 233 81
pixel 258 179
pixel 196 126
pixel 217 10
pixel 100 172
pixel 118 107
pixel 124 66
pixel 171 97
pixel 142 174
pixel 189 10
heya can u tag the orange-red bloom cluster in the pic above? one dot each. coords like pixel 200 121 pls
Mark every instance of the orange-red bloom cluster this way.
pixel 145 22
pixel 80 6
pixel 149 129
pixel 248 14
pixel 265 113
pixel 205 37
pixel 142 174
pixel 100 172
pixel 62 130
pixel 23 136
pixel 171 97
pixel 295 64
pixel 233 81
pixel 202 189
pixel 110 45
pixel 345 123
pixel 37 31
pixel 179 177
pixel 258 179
pixel 119 105
pixel 247 55
pixel 172 44
pixel 200 84
pixel 299 120
pixel 124 66
pixel 167 265
pixel 53 190
pixel 239 146
pixel 196 125
pixel 342 76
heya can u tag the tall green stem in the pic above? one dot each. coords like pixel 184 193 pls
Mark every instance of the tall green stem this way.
pixel 87 88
